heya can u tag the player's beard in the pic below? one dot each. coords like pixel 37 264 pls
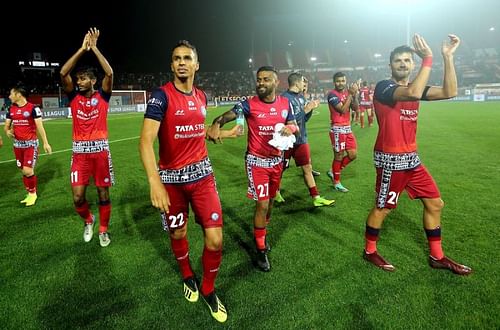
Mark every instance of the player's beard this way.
pixel 262 94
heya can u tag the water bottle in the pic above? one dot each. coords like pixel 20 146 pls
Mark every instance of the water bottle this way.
pixel 240 121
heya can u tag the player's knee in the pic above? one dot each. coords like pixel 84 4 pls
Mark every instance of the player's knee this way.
pixel 178 233
pixel 78 199
pixel 434 205
pixel 27 171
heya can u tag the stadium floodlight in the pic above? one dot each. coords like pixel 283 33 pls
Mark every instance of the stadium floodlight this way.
pixel 346 41
pixel 313 58
pixel 492 28
pixel 377 55
pixel 250 60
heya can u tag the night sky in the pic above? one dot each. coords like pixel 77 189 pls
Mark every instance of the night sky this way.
pixel 138 36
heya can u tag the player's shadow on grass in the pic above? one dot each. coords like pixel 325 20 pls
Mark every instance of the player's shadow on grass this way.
pixel 82 302
pixel 137 215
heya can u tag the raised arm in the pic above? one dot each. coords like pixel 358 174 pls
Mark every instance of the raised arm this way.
pixel 450 86
pixel 107 82
pixel 415 90
pixel 65 73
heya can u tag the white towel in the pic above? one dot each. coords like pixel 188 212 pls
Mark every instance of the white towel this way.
pixel 279 141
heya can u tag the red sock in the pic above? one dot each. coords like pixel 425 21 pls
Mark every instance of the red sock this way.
pixel 260 237
pixel 434 239
pixel 345 161
pixel 30 183
pixel 180 247
pixel 371 238
pixel 337 167
pixel 104 215
pixel 84 212
pixel 211 261
pixel 313 192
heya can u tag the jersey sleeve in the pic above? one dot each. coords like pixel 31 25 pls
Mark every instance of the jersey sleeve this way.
pixel 333 99
pixel 290 116
pixel 36 112
pixel 157 105
pixel 384 92
pixel 72 95
pixel 241 106
pixel 104 95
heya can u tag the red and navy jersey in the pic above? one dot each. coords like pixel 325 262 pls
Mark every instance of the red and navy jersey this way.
pixel 336 118
pixel 182 129
pixel 89 115
pixel 397 120
pixel 298 102
pixel 23 120
pixel 364 96
pixel 261 118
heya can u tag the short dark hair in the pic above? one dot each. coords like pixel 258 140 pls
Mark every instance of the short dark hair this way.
pixel 338 75
pixel 187 44
pixel 267 68
pixel 400 50
pixel 21 89
pixel 88 71
pixel 294 77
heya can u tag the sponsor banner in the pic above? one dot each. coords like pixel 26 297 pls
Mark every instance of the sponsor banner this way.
pixel 55 113
pixel 115 100
pixel 50 102
pixel 223 100
pixel 479 97
pixel 123 108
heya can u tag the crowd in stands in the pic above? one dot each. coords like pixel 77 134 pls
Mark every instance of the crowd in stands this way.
pixel 481 66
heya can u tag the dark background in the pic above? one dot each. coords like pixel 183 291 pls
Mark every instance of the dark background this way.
pixel 138 36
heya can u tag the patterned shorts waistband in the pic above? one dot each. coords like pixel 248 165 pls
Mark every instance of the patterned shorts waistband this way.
pixel 341 129
pixel 396 162
pixel 89 147
pixel 25 143
pixel 187 174
pixel 366 103
pixel 263 162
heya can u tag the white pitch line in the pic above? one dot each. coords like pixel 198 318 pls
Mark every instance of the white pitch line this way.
pixel 65 150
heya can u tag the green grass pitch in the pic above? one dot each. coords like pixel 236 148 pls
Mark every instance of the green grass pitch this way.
pixel 51 279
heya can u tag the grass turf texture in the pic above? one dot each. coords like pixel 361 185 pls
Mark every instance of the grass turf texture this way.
pixel 50 278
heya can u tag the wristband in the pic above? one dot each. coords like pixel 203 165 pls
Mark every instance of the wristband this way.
pixel 427 61
pixel 292 128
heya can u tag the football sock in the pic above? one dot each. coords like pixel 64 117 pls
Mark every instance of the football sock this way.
pixel 313 192
pixel 337 165
pixel 180 247
pixel 260 237
pixel 104 215
pixel 30 183
pixel 371 238
pixel 84 212
pixel 345 161
pixel 211 261
pixel 434 239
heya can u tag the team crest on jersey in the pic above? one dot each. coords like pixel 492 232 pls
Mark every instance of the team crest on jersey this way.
pixel 284 113
pixel 203 111
pixel 191 105
pixel 215 216
pixel 94 101
pixel 26 114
